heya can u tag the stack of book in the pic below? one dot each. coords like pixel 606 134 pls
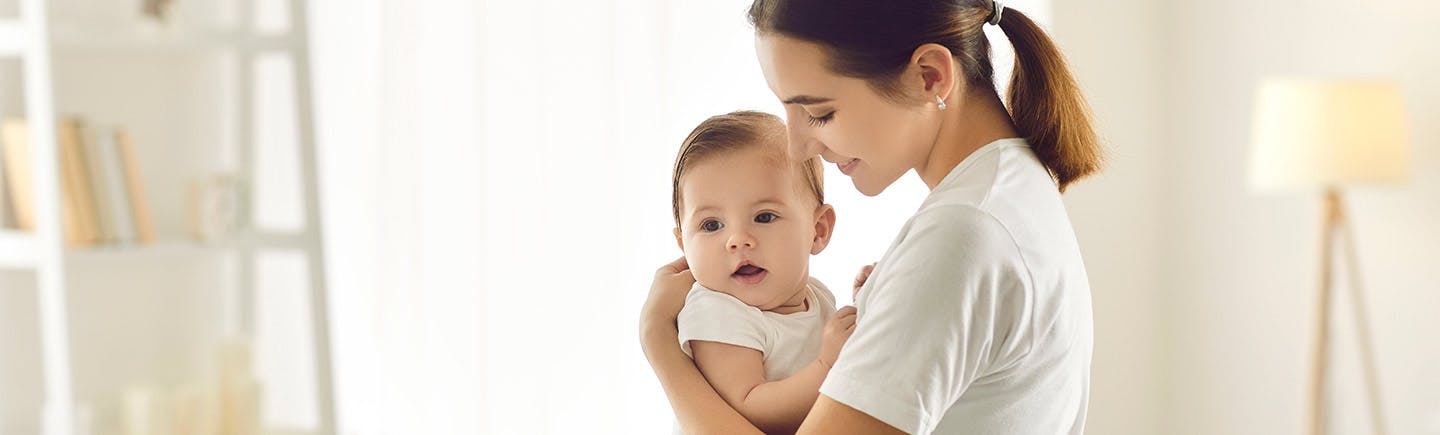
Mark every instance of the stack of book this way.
pixel 102 197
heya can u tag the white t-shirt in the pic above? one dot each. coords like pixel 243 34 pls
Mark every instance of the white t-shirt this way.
pixel 977 319
pixel 789 342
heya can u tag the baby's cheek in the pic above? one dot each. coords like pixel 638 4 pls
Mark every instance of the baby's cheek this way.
pixel 711 272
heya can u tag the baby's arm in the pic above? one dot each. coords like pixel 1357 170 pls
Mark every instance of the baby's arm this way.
pixel 738 374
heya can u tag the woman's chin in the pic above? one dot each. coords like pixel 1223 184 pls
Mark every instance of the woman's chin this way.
pixel 870 188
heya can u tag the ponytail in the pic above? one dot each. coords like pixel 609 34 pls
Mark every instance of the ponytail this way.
pixel 1046 103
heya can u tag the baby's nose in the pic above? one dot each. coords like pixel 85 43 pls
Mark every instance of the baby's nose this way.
pixel 742 240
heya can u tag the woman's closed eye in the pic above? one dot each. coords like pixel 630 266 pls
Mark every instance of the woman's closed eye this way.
pixel 766 217
pixel 820 120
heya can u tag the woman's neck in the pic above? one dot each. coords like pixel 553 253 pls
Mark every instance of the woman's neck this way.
pixel 966 127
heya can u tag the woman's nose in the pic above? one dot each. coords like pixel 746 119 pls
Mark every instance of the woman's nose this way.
pixel 802 145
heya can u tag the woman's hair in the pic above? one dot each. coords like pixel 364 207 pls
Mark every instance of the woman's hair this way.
pixel 875 39
pixel 736 131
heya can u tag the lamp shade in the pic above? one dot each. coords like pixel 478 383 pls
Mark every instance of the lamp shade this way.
pixel 1328 134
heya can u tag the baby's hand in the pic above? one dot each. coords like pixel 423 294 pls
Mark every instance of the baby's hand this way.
pixel 837 331
pixel 860 279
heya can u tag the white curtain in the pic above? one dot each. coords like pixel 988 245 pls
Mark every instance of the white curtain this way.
pixel 495 178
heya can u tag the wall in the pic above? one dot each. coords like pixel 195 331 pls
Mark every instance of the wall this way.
pixel 1205 292
pixel 1241 268
pixel 1117 214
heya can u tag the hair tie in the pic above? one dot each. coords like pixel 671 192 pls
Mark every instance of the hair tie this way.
pixel 996 7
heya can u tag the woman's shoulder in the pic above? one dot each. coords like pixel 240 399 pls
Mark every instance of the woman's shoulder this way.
pixel 955 254
pixel 958 229
pixel 986 174
pixel 1000 199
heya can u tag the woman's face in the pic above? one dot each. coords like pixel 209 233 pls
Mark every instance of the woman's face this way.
pixel 872 139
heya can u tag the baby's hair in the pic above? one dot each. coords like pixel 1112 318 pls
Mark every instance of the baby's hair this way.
pixel 735 131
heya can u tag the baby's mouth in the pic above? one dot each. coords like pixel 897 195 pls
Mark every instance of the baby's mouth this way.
pixel 749 274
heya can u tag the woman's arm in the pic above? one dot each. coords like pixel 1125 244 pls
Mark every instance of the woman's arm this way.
pixel 699 409
pixel 832 417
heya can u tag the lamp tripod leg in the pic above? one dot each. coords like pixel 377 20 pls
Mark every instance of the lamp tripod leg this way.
pixel 1362 323
pixel 1318 387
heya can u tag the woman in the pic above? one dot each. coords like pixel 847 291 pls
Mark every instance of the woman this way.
pixel 977 319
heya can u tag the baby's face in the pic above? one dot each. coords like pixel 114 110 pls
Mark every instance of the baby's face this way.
pixel 747 227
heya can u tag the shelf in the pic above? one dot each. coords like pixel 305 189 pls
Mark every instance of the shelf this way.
pixel 156 77
pixel 161 249
pixel 13 35
pixel 161 40
pixel 169 248
pixel 17 249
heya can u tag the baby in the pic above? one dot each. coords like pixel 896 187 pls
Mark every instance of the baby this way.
pixel 757 325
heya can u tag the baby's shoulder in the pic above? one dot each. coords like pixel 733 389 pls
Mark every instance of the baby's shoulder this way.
pixel 824 297
pixel 713 303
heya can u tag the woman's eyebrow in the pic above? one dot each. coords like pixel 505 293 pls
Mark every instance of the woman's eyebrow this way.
pixel 806 100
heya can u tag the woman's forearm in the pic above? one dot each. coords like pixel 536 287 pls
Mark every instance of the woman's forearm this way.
pixel 698 408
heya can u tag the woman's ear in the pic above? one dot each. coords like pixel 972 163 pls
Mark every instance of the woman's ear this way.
pixel 932 73
pixel 824 228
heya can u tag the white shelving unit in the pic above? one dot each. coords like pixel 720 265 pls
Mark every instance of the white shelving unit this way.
pixel 32 39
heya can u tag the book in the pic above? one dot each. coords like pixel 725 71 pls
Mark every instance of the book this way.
pixel 90 148
pixel 15 140
pixel 6 221
pixel 114 199
pixel 102 198
pixel 78 208
pixel 74 129
pixel 139 207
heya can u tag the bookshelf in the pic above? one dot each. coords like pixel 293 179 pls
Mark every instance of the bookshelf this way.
pixel 102 317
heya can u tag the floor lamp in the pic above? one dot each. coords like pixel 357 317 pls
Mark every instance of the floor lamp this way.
pixel 1328 135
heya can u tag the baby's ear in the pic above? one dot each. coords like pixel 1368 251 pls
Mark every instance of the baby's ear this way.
pixel 679 241
pixel 824 228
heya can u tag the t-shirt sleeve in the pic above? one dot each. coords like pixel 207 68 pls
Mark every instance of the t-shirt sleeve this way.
pixel 827 298
pixel 709 315
pixel 949 304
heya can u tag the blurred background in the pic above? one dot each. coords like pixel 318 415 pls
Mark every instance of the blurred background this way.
pixel 442 216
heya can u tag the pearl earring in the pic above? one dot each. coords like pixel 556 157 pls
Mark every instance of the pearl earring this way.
pixel 940 103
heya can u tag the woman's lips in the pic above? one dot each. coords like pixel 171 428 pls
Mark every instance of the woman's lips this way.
pixel 848 167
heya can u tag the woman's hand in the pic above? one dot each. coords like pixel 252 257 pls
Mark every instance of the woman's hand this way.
pixel 667 296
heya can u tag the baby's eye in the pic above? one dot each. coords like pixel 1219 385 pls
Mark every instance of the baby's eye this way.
pixel 711 226
pixel 766 217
